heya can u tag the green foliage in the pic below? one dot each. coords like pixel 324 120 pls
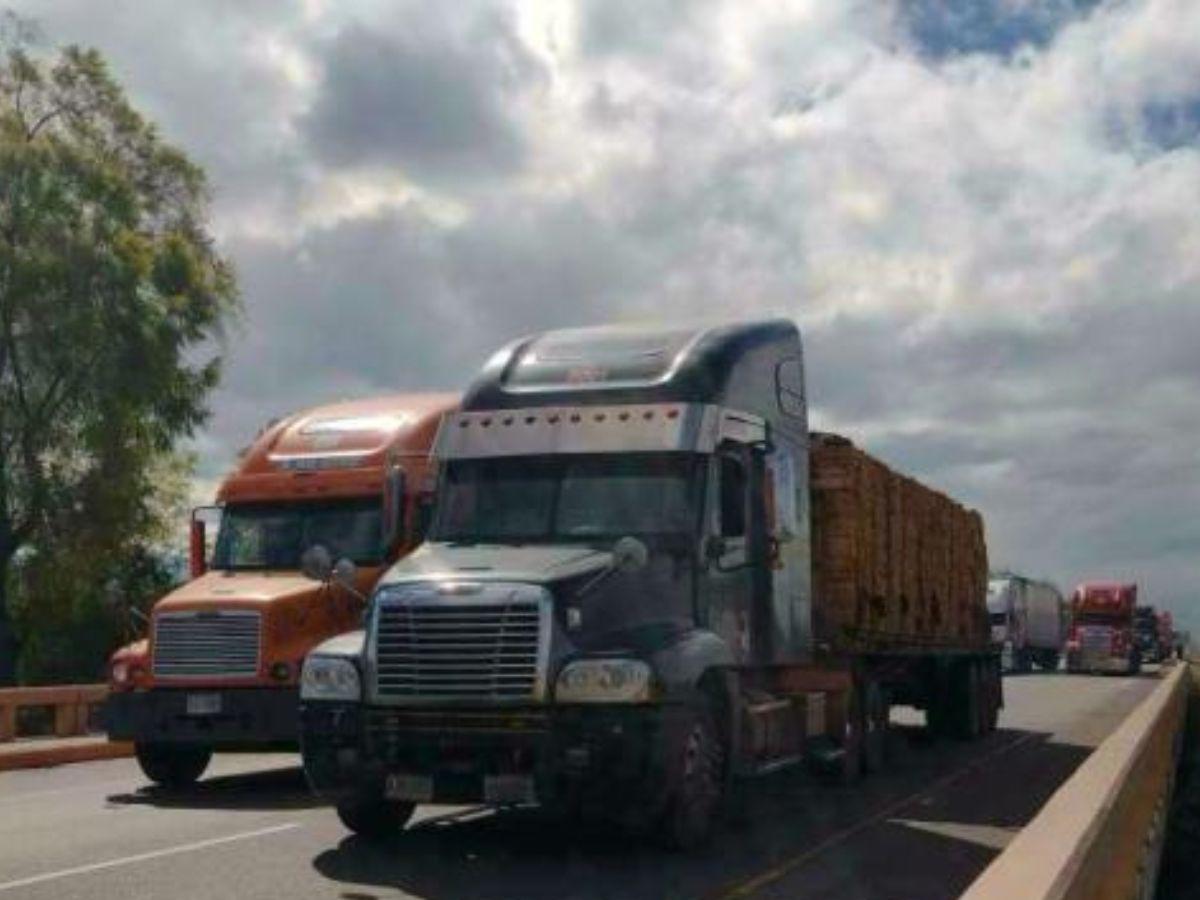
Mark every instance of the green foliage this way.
pixel 113 299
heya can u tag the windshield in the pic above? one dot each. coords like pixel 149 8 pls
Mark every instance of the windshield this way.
pixel 568 498
pixel 274 535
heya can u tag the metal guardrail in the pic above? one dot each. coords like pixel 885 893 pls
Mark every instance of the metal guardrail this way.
pixel 72 704
pixel 1100 835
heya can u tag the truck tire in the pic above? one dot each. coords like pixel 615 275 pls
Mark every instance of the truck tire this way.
pixel 966 701
pixel 876 715
pixel 853 737
pixel 1048 661
pixel 1135 662
pixel 993 694
pixel 172 765
pixel 373 816
pixel 695 760
pixel 939 703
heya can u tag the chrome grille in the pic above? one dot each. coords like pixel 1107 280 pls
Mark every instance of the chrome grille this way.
pixel 189 644
pixel 1096 640
pixel 459 651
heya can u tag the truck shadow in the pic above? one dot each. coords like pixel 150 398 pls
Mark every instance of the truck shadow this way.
pixel 925 828
pixel 275 789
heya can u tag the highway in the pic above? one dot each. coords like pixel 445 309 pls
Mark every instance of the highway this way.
pixel 924 829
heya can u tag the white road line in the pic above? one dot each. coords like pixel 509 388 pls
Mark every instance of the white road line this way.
pixel 141 857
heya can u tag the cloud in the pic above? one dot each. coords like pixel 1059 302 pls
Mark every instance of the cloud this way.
pixel 431 100
pixel 979 213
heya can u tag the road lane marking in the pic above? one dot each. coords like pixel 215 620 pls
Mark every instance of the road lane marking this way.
pixel 778 871
pixel 142 857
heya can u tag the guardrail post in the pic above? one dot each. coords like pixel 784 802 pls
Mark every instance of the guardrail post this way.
pixel 8 722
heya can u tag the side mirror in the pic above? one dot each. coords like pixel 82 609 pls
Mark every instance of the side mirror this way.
pixel 202 518
pixel 317 563
pixel 629 555
pixel 714 547
pixel 197 563
pixel 393 507
pixel 345 573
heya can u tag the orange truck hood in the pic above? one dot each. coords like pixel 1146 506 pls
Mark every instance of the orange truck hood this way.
pixel 297 613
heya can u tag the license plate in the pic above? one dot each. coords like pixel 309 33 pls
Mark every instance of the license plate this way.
pixel 203 704
pixel 413 788
pixel 508 789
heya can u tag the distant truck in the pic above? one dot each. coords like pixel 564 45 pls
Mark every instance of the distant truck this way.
pixel 1029 621
pixel 1146 633
pixel 647 581
pixel 1102 629
pixel 221 665
pixel 1166 635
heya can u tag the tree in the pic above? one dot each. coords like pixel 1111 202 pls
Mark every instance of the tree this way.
pixel 113 300
pixel 73 597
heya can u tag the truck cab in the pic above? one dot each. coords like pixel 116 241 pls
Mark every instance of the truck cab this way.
pixel 1029 621
pixel 1146 633
pixel 1102 629
pixel 220 666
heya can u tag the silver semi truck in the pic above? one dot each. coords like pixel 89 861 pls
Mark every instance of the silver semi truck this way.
pixel 1030 620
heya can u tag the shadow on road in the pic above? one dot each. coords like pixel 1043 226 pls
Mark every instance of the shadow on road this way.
pixel 277 789
pixel 924 829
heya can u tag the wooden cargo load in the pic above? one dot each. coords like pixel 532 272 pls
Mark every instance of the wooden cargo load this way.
pixel 897 566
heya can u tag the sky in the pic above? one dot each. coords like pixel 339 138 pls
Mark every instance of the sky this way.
pixel 981 213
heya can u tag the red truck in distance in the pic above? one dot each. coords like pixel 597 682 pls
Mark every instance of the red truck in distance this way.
pixel 1102 629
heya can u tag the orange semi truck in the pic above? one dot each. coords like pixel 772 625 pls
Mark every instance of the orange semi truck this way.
pixel 221 665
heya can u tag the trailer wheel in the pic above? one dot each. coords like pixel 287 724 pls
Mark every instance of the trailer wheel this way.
pixel 172 765
pixel 853 736
pixel 1048 661
pixel 938 705
pixel 875 720
pixel 992 693
pixel 965 710
pixel 373 816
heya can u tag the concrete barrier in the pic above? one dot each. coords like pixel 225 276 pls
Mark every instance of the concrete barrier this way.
pixel 72 704
pixel 1100 835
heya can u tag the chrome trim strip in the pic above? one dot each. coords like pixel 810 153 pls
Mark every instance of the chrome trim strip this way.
pixel 626 428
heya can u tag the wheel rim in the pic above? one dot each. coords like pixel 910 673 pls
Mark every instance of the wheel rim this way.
pixel 697 790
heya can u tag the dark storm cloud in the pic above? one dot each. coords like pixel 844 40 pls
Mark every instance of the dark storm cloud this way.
pixel 432 100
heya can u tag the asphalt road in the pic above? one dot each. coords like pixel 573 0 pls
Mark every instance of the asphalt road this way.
pixel 923 830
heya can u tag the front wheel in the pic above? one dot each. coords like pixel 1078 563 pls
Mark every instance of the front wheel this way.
pixel 373 816
pixel 695 772
pixel 172 765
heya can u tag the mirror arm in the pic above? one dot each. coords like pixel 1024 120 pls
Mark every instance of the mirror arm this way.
pixel 596 580
pixel 354 592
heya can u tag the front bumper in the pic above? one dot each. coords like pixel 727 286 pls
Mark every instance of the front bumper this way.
pixel 1083 661
pixel 585 756
pixel 248 718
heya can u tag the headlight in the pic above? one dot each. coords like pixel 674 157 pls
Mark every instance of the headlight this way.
pixel 605 681
pixel 329 678
pixel 120 673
